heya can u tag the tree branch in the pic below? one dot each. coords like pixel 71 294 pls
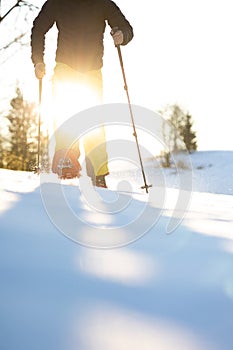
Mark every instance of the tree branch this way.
pixel 16 40
pixel 9 11
pixel 19 3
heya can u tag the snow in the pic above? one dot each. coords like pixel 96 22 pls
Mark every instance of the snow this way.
pixel 130 283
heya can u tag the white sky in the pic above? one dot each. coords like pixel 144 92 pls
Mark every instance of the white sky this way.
pixel 181 53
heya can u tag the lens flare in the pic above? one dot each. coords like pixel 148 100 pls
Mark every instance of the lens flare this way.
pixel 71 98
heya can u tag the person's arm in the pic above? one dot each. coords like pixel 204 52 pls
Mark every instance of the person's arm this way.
pixel 43 22
pixel 117 21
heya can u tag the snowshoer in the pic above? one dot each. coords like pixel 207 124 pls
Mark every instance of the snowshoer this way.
pixel 79 58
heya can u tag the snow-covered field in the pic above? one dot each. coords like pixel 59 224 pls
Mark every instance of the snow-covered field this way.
pixel 162 291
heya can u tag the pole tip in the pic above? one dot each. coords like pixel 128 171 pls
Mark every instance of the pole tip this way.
pixel 145 187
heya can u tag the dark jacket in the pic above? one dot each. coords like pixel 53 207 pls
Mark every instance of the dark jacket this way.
pixel 81 25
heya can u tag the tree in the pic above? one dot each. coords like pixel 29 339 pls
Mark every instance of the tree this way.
pixel 1 151
pixel 168 143
pixel 177 132
pixel 187 134
pixel 18 3
pixel 181 134
pixel 175 115
pixel 20 15
pixel 22 117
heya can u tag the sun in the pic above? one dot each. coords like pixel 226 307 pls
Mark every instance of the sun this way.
pixel 70 98
pixel 64 101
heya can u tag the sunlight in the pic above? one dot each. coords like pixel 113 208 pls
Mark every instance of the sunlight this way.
pixel 105 326
pixel 122 266
pixel 228 287
pixel 71 98
pixel 7 201
pixel 18 181
pixel 228 247
pixel 216 228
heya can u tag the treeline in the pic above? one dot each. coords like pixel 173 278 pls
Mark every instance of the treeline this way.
pixel 19 143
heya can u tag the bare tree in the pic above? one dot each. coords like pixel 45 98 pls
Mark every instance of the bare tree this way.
pixel 21 11
pixel 19 3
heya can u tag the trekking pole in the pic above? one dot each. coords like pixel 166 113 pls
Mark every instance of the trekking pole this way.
pixel 37 170
pixel 146 186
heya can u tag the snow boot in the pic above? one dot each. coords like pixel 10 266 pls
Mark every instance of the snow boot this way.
pixel 65 164
pixel 100 181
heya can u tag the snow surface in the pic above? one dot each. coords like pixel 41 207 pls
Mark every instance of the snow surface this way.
pixel 163 291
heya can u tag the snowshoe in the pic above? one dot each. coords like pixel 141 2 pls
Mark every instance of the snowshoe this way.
pixel 65 164
pixel 100 181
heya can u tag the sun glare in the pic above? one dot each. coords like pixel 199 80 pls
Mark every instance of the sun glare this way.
pixel 71 98
pixel 60 104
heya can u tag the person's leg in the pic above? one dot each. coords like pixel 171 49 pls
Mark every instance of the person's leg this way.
pixel 95 140
pixel 71 89
pixel 65 160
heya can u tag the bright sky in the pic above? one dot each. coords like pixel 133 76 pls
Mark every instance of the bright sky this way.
pixel 181 53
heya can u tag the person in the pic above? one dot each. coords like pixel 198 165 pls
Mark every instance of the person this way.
pixel 79 58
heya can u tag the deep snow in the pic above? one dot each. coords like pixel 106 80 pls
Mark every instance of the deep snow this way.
pixel 163 291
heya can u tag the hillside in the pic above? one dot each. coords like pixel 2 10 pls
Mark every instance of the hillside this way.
pixel 162 291
pixel 209 171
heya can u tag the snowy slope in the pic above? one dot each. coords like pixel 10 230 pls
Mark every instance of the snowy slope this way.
pixel 210 171
pixel 163 291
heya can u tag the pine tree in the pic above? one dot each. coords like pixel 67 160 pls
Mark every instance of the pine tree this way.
pixel 181 134
pixel 187 134
pixel 22 129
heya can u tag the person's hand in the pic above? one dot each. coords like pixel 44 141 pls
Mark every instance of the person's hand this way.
pixel 118 37
pixel 40 70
